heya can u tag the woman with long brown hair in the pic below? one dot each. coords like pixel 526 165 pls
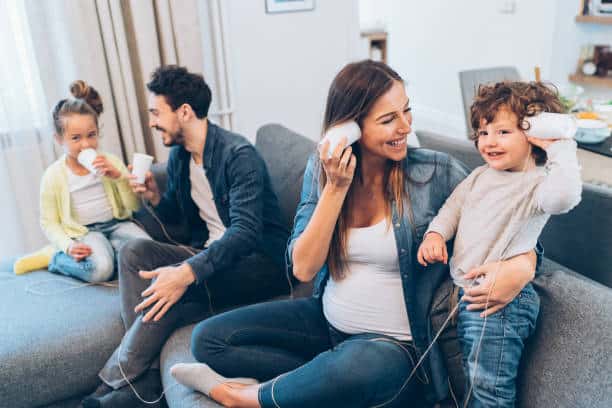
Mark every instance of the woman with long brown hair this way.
pixel 363 211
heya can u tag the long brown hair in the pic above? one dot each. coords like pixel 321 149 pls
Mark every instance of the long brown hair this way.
pixel 351 96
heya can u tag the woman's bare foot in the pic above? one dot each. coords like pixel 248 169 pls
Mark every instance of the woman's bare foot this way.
pixel 235 395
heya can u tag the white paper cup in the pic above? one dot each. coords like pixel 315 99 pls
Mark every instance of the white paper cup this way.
pixel 547 125
pixel 349 129
pixel 86 158
pixel 140 165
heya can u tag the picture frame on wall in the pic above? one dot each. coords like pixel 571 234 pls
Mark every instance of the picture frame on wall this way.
pixel 286 6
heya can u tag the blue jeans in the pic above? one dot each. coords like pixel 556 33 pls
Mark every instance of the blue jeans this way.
pixel 105 240
pixel 491 368
pixel 306 362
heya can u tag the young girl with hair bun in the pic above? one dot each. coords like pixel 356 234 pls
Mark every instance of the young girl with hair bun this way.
pixel 86 215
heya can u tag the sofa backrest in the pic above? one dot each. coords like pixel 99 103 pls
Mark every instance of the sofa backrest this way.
pixel 580 240
pixel 471 79
pixel 286 154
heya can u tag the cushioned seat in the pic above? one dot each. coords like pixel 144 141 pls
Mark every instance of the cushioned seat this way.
pixel 54 337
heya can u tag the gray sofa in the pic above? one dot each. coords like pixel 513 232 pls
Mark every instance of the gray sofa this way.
pixel 55 337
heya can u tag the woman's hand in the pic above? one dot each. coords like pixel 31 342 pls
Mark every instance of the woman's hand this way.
pixel 79 251
pixel 504 280
pixel 432 249
pixel 105 168
pixel 340 167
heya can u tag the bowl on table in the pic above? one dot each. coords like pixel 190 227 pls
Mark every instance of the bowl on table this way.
pixel 591 131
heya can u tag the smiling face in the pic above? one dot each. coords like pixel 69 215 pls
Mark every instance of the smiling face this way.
pixel 165 120
pixel 386 127
pixel 79 132
pixel 502 144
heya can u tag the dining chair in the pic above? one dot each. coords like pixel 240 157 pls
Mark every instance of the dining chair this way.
pixel 469 81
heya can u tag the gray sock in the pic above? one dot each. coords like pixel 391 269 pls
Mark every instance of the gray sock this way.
pixel 202 378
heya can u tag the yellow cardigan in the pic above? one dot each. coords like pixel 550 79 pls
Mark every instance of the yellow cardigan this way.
pixel 56 218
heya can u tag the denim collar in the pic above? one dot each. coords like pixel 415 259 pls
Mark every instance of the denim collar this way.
pixel 419 165
pixel 210 147
pixel 212 138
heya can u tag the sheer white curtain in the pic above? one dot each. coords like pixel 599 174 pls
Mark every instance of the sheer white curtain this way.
pixel 112 44
pixel 25 134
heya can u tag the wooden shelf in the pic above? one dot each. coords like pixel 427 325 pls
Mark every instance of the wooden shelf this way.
pixel 377 44
pixel 594 19
pixel 591 80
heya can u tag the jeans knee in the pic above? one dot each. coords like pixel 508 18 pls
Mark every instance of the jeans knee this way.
pixel 205 345
pixel 102 270
pixel 368 361
pixel 134 251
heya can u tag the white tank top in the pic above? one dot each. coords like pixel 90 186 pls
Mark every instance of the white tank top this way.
pixel 370 298
pixel 88 200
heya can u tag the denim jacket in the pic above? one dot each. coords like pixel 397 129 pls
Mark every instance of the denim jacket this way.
pixel 431 177
pixel 243 196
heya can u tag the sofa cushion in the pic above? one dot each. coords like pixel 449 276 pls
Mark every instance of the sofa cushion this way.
pixel 286 154
pixel 569 359
pixel 55 337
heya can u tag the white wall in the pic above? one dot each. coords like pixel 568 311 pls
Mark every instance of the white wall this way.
pixel 430 42
pixel 282 64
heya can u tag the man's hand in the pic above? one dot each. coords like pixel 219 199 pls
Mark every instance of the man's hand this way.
pixel 149 190
pixel 432 249
pixel 169 285
pixel 502 283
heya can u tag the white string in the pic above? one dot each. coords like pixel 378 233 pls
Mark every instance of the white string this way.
pixel 71 286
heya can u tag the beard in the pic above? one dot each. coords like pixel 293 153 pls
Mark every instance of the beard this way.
pixel 171 139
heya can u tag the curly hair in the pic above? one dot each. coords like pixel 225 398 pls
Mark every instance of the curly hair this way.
pixel 85 100
pixel 180 86
pixel 524 99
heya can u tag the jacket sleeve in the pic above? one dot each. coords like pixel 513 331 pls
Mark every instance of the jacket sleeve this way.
pixel 246 172
pixel 49 214
pixel 309 198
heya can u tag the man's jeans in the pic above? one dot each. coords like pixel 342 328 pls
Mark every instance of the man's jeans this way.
pixel 491 363
pixel 105 239
pixel 305 361
pixel 253 278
